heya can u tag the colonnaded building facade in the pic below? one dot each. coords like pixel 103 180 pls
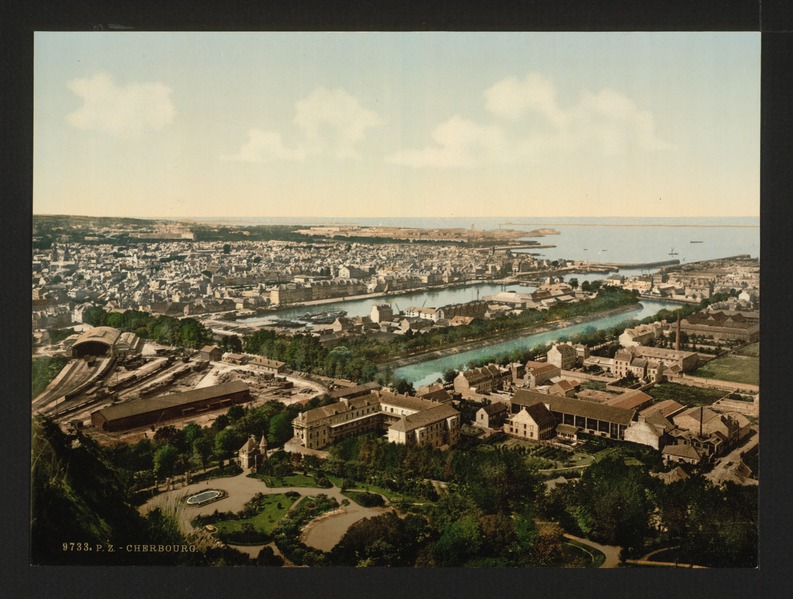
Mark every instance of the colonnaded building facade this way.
pixel 407 420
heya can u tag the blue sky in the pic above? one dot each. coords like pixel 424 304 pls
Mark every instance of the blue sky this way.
pixel 397 124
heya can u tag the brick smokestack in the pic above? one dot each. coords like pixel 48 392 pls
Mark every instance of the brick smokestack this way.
pixel 677 336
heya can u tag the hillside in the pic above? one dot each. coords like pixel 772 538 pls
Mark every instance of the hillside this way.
pixel 77 501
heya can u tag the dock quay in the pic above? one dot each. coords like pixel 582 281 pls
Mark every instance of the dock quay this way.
pixel 643 264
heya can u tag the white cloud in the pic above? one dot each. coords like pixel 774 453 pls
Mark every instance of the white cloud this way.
pixel 510 98
pixel 333 121
pixel 264 145
pixel 330 122
pixel 122 111
pixel 460 142
pixel 614 122
pixel 605 122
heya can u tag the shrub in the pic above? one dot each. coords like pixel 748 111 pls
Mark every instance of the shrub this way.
pixel 368 499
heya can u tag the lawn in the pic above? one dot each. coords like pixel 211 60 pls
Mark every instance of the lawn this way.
pixel 594 385
pixel 292 480
pixel 544 457
pixel 603 453
pixel 273 508
pixel 684 394
pixel 336 480
pixel 752 350
pixel 387 493
pixel 733 368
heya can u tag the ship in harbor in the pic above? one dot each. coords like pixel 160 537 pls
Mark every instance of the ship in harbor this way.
pixel 327 317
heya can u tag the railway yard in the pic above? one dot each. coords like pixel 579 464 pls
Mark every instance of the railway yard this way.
pixel 90 383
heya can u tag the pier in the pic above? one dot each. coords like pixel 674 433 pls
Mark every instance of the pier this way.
pixel 644 265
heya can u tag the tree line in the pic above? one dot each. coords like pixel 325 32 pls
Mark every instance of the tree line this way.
pixel 181 332
pixel 171 451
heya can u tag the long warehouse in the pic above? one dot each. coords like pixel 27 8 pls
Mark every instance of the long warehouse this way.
pixel 144 412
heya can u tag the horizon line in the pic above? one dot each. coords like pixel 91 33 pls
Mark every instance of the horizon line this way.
pixel 411 217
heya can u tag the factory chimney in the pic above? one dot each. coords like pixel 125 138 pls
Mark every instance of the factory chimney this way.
pixel 677 335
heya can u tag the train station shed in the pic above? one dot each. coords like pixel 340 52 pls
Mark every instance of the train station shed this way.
pixel 152 411
pixel 98 341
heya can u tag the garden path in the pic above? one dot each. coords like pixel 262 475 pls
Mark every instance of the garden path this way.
pixel 612 552
pixel 322 534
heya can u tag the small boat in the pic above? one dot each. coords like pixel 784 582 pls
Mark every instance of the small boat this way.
pixel 673 252
pixel 324 317
pixel 695 242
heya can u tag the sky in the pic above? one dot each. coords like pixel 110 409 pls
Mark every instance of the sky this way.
pixel 436 124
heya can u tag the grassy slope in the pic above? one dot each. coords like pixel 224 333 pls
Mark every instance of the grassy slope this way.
pixel 77 497
pixel 735 368
pixel 44 369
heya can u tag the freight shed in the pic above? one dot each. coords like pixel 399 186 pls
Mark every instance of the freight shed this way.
pixel 592 418
pixel 97 341
pixel 144 412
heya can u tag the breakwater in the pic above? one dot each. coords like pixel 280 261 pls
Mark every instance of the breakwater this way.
pixel 643 265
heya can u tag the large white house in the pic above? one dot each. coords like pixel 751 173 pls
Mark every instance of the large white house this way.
pixel 407 420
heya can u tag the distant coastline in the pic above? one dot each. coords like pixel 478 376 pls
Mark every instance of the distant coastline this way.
pixel 635 225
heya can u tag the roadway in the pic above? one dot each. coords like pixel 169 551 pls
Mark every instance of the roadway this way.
pixel 722 471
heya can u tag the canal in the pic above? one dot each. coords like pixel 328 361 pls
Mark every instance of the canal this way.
pixel 433 298
pixel 427 372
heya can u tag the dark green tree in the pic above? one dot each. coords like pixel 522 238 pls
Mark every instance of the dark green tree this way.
pixel 227 442
pixel 202 448
pixel 280 429
pixel 164 461
pixel 95 316
pixel 460 541
pixel 404 386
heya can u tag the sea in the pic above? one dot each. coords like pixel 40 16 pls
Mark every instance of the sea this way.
pixel 622 240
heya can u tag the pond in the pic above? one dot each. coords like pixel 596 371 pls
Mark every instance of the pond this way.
pixel 203 497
